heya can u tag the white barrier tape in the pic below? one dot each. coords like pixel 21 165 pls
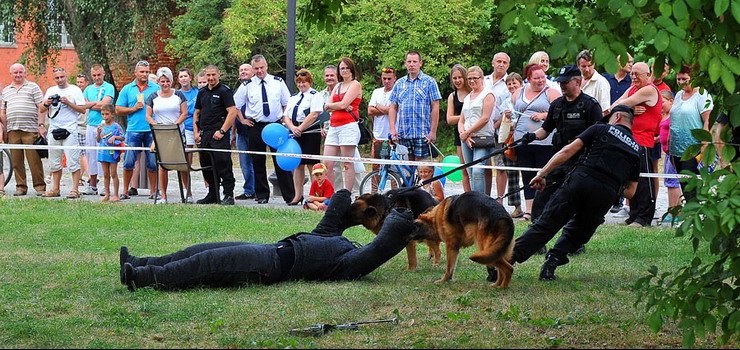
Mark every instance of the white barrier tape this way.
pixel 319 157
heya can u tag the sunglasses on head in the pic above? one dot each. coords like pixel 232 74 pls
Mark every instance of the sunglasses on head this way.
pixel 388 70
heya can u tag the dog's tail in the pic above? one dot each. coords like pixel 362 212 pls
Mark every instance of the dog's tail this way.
pixel 494 243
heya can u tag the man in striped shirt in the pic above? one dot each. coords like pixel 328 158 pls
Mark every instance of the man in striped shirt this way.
pixel 20 111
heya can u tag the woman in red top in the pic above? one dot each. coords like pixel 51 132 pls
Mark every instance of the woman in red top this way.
pixel 344 133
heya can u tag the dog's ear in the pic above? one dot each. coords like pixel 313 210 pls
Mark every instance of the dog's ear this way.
pixel 370 212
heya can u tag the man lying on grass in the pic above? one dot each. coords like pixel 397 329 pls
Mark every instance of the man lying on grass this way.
pixel 323 254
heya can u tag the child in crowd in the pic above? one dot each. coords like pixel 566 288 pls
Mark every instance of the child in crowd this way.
pixel 321 189
pixel 2 175
pixel 109 134
pixel 434 188
pixel 671 184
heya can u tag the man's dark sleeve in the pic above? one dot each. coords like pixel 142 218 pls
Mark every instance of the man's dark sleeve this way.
pixel 587 136
pixel 594 113
pixel 550 122
pixel 228 98
pixel 198 105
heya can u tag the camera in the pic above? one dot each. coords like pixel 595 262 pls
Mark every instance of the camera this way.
pixel 55 99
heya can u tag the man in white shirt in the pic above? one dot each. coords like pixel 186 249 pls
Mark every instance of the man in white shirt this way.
pixel 496 82
pixel 263 100
pixel 378 108
pixel 64 103
pixel 594 84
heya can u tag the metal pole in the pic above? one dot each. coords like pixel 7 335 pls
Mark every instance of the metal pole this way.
pixel 290 59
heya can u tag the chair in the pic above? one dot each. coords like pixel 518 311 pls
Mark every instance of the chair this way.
pixel 171 154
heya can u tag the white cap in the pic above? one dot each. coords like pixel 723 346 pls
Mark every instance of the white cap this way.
pixel 164 71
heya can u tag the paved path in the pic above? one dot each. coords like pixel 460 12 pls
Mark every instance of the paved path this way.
pixel 200 191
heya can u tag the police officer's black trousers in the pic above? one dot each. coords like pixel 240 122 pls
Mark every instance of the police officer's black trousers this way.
pixel 642 204
pixel 581 202
pixel 222 163
pixel 220 264
pixel 261 184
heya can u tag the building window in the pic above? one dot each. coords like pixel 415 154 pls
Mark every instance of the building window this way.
pixel 7 36
pixel 65 38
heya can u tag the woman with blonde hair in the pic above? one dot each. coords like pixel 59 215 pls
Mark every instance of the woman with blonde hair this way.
pixel 458 80
pixel 475 122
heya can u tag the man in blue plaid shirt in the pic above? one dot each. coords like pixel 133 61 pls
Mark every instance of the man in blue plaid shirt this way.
pixel 414 112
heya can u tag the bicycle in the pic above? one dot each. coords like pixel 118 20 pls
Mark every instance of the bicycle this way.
pixel 7 164
pixel 390 176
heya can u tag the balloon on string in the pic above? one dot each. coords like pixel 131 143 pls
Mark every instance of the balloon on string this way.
pixel 454 162
pixel 438 171
pixel 290 146
pixel 275 135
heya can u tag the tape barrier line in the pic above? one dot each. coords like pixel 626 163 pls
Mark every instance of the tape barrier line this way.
pixel 315 157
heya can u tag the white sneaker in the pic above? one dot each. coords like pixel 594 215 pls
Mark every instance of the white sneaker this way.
pixel 189 200
pixel 622 213
pixel 162 201
pixel 90 190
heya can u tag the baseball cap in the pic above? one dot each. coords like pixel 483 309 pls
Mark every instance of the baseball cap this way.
pixel 567 72
pixel 318 168
pixel 618 108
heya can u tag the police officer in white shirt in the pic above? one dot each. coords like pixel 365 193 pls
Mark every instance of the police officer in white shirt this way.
pixel 264 99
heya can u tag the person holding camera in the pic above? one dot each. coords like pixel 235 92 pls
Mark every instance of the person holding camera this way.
pixel 63 103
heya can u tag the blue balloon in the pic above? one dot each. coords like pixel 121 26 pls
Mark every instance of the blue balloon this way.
pixel 438 171
pixel 275 135
pixel 290 146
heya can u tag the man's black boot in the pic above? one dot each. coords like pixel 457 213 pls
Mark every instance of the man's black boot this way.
pixel 210 198
pixel 548 268
pixel 129 274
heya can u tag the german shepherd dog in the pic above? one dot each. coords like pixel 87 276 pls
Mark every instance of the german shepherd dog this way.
pixel 370 210
pixel 473 218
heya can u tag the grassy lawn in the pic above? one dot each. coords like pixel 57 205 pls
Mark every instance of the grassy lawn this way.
pixel 59 288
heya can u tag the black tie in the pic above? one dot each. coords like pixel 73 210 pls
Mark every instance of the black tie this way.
pixel 295 110
pixel 265 104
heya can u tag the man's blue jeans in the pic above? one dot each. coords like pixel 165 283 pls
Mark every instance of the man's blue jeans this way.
pixel 245 162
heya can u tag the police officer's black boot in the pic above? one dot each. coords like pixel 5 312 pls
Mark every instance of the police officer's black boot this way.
pixel 547 273
pixel 138 277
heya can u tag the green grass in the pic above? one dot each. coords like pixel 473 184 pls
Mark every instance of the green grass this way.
pixel 59 287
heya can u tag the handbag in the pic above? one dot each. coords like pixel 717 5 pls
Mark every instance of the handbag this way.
pixel 365 135
pixel 60 134
pixel 40 141
pixel 483 141
pixel 510 152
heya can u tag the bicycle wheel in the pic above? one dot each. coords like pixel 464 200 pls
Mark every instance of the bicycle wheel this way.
pixel 371 183
pixel 7 164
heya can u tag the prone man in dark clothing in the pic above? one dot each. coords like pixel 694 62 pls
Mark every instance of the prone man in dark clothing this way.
pixel 214 115
pixel 321 255
pixel 608 166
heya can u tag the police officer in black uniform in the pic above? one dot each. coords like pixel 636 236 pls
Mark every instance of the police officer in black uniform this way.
pixel 608 166
pixel 570 115
pixel 214 115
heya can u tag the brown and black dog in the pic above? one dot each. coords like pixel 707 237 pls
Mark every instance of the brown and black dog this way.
pixel 370 210
pixel 473 218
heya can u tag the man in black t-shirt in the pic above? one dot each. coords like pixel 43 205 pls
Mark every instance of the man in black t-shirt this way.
pixel 609 166
pixel 214 115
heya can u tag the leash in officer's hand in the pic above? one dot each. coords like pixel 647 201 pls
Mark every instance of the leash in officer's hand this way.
pixel 503 149
pixel 320 329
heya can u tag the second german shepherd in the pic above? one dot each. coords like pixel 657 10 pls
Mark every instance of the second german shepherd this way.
pixel 473 218
pixel 370 210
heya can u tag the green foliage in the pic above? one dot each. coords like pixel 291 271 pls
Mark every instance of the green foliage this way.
pixel 114 33
pixel 228 32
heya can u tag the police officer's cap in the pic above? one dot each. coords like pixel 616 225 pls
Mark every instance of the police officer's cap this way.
pixel 567 72
pixel 618 108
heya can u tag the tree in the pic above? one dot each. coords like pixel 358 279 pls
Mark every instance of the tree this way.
pixel 228 32
pixel 704 34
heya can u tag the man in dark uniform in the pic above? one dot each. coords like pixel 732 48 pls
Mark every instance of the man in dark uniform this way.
pixel 214 115
pixel 570 114
pixel 321 255
pixel 608 166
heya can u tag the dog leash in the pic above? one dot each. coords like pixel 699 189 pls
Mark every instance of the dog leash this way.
pixel 510 193
pixel 503 149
